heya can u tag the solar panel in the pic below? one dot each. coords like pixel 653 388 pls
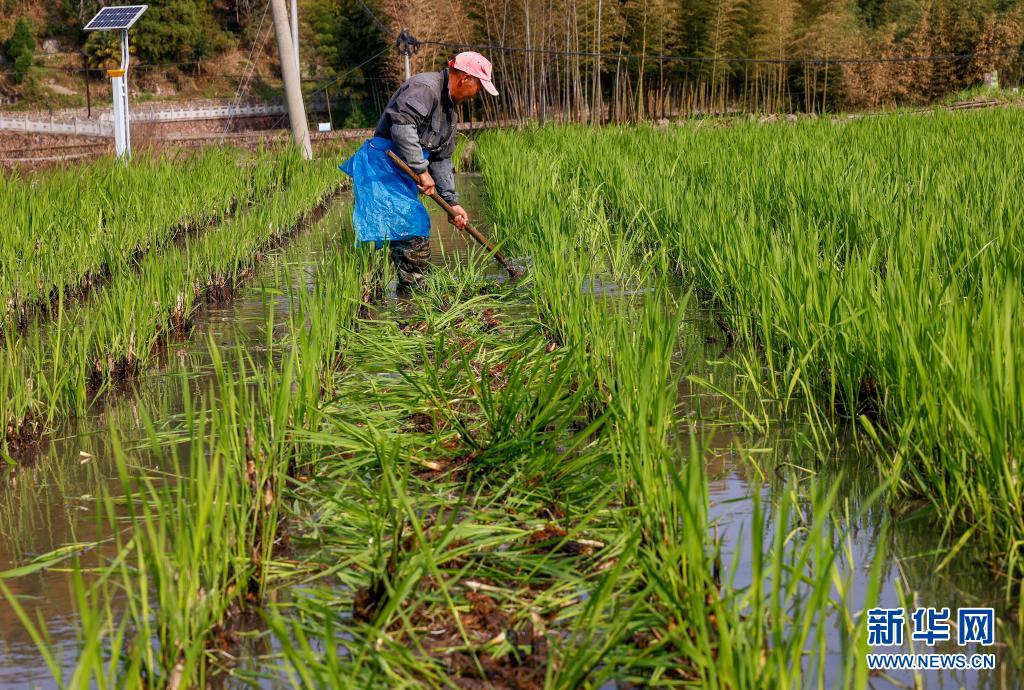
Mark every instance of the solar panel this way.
pixel 115 18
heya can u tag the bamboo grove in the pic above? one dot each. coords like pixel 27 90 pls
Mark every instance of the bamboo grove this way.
pixel 602 60
pixel 739 55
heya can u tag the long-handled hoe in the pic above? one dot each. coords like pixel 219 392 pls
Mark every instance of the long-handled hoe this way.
pixel 514 272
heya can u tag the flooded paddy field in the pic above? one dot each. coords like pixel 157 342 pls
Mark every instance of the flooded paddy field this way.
pixel 597 477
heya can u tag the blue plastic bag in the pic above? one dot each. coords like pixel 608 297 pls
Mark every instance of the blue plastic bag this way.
pixel 387 204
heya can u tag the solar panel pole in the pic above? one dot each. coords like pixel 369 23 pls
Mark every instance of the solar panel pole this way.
pixel 290 74
pixel 119 19
pixel 119 88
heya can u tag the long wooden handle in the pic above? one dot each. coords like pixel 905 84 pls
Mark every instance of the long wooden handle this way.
pixel 477 235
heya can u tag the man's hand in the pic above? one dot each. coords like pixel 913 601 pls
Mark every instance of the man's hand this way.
pixel 426 185
pixel 460 219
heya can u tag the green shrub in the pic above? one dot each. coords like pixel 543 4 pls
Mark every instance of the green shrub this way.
pixel 22 63
pixel 21 49
pixel 21 40
pixel 178 30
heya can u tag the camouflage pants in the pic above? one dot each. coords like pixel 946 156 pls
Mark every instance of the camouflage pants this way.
pixel 411 258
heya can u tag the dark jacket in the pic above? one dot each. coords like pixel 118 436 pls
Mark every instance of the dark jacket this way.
pixel 422 115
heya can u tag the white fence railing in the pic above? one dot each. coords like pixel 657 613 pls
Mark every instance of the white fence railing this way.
pixel 208 113
pixel 102 125
pixel 95 128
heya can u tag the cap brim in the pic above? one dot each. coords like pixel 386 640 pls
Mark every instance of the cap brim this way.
pixel 489 87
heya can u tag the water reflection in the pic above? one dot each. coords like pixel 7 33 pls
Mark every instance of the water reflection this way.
pixel 743 463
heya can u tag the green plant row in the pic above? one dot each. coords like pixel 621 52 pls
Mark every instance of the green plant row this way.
pixel 53 372
pixel 196 547
pixel 70 228
pixel 703 630
pixel 876 264
pixel 475 502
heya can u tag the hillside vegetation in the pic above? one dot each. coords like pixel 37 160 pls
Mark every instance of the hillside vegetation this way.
pixel 780 49
pixel 181 48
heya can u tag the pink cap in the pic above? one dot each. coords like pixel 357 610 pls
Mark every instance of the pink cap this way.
pixel 476 65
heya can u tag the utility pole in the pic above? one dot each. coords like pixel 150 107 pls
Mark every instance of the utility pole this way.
pixel 290 73
pixel 295 34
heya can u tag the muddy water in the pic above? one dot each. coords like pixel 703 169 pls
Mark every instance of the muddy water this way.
pixel 49 503
pixel 742 463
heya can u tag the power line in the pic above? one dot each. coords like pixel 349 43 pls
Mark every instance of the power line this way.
pixel 243 83
pixel 373 18
pixel 256 45
pixel 334 81
pixel 347 72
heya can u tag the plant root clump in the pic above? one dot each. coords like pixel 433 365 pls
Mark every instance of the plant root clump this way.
pixel 23 435
pixel 469 661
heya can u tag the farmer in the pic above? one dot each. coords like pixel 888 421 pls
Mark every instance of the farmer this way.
pixel 418 124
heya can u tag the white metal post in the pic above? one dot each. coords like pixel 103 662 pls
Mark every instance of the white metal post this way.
pixel 119 89
pixel 124 95
pixel 120 134
pixel 405 53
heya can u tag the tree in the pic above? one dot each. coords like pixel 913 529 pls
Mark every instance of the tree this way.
pixel 173 30
pixel 915 77
pixel 169 31
pixel 773 41
pixel 877 14
pixel 833 30
pixel 21 49
pixel 722 36
pixel 999 43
